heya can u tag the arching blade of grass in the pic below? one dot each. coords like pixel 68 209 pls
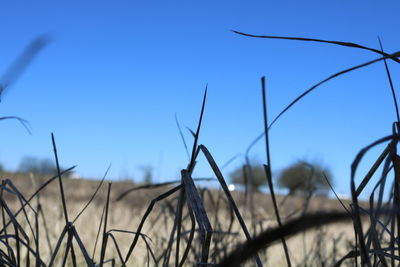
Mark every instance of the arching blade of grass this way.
pixel 228 195
pixel 143 236
pixel 144 217
pixel 152 186
pixel 396 54
pixel 24 123
pixel 347 44
pixel 260 136
pixel 249 248
pixel 93 196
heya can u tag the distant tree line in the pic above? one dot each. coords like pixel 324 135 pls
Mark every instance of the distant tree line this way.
pixel 42 167
pixel 299 179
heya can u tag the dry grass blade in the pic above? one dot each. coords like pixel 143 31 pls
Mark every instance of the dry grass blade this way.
pixel 373 169
pixel 361 154
pixel 86 256
pixel 334 192
pixel 58 245
pixel 396 199
pixel 267 169
pixel 98 231
pixel 191 236
pixel 152 186
pixel 196 204
pixel 24 123
pixel 260 136
pixel 105 234
pixel 143 236
pixel 229 161
pixel 20 64
pixel 64 205
pixel 182 137
pixel 396 54
pixel 116 246
pixel 178 223
pixel 228 194
pixel 144 217
pixel 37 233
pixel 391 83
pixel 196 138
pixel 93 196
pixel 347 44
pixel 191 132
pixel 249 248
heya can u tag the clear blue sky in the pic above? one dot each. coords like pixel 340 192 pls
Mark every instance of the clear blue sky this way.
pixel 115 73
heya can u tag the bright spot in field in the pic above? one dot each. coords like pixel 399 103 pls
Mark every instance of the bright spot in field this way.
pixel 231 187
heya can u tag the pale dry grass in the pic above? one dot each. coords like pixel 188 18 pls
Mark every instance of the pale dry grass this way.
pixel 328 243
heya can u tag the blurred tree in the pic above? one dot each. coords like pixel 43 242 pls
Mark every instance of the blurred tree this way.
pixel 37 166
pixel 147 173
pixel 254 175
pixel 305 178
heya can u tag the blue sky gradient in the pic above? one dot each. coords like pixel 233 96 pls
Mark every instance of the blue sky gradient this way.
pixel 115 73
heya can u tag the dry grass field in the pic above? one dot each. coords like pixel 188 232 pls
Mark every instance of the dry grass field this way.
pixel 322 245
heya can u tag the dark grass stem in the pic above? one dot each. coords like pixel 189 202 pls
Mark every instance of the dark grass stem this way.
pixel 267 169
pixel 196 138
pixel 64 204
pixel 105 235
pixel 390 82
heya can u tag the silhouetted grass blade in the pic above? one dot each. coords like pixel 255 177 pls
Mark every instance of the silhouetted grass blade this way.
pixel 348 44
pixel 20 64
pixel 228 194
pixel 267 168
pixel 196 138
pixel 196 204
